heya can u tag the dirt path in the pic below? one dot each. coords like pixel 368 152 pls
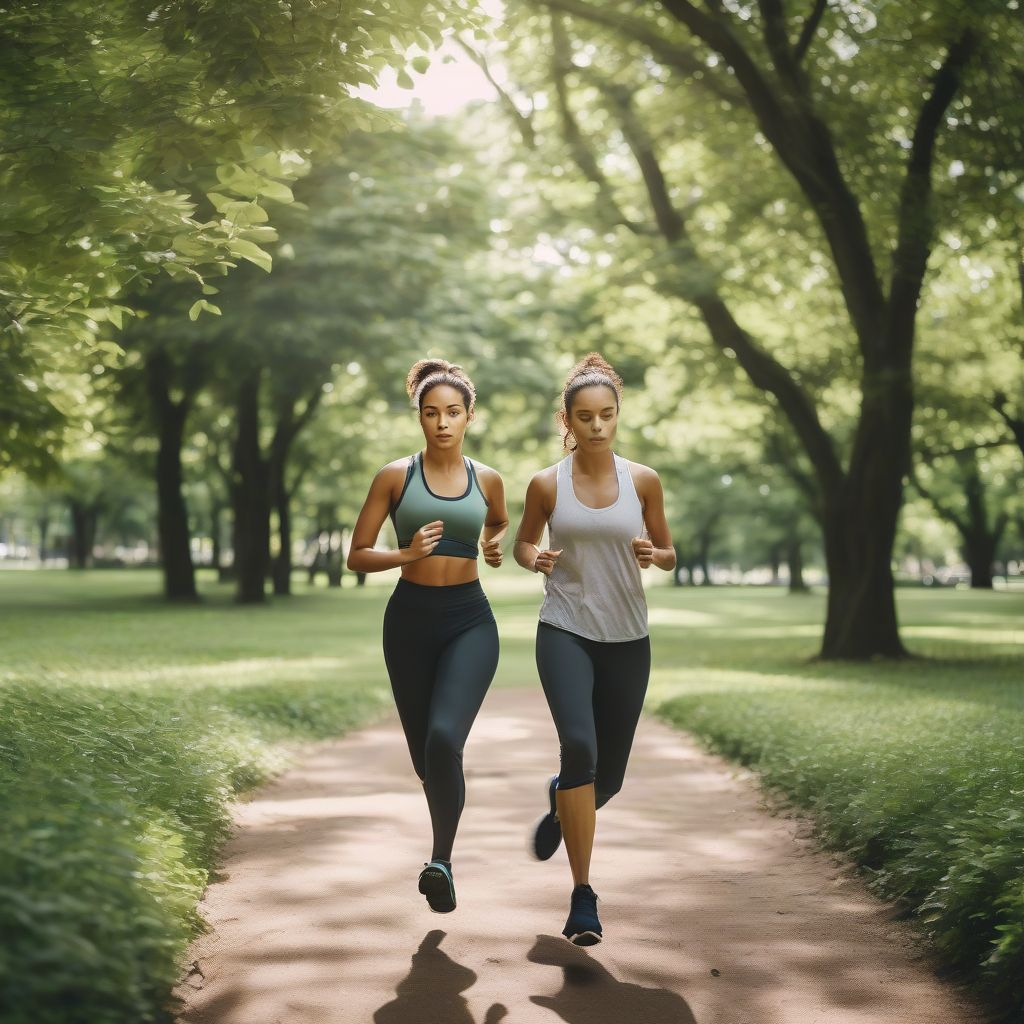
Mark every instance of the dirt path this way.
pixel 714 911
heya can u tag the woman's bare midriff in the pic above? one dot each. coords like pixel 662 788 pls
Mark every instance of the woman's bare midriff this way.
pixel 440 571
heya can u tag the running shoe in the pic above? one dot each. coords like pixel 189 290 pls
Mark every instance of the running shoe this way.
pixel 438 885
pixel 547 833
pixel 582 927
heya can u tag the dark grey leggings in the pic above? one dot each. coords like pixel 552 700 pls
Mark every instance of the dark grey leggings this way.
pixel 595 691
pixel 441 649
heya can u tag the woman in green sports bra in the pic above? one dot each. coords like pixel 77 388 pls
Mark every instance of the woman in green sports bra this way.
pixel 440 638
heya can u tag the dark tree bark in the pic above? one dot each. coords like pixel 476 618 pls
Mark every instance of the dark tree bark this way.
pixel 980 532
pixel 795 560
pixel 83 533
pixel 44 529
pixel 172 511
pixel 251 496
pixel 260 484
pixel 858 505
pixel 283 561
pixel 289 423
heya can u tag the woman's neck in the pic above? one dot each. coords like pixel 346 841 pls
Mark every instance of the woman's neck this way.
pixel 594 463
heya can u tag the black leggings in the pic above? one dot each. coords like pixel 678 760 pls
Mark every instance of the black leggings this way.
pixel 596 691
pixel 441 649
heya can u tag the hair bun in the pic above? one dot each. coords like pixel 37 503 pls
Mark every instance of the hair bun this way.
pixel 594 362
pixel 426 372
pixel 422 369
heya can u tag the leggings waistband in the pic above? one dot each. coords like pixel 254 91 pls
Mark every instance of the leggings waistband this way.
pixel 446 599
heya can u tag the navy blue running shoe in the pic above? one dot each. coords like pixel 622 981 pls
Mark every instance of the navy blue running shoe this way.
pixel 547 833
pixel 438 885
pixel 582 927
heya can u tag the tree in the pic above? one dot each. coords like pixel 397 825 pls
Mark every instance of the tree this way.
pixel 143 141
pixel 843 113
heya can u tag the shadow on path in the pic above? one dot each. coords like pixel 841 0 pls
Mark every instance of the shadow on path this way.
pixel 590 993
pixel 431 993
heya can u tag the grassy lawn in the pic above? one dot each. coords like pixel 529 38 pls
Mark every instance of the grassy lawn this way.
pixel 126 726
pixel 915 770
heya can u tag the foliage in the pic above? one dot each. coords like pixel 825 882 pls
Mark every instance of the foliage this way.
pixel 916 775
pixel 115 801
pixel 143 141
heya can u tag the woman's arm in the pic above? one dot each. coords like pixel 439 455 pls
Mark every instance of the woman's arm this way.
pixel 536 510
pixel 658 550
pixel 496 523
pixel 361 555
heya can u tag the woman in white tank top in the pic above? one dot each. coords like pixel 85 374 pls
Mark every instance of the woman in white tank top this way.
pixel 605 518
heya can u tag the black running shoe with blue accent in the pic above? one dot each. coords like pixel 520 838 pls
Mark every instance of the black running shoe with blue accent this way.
pixel 582 927
pixel 438 885
pixel 547 833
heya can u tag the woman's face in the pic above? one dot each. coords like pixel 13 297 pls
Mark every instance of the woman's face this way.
pixel 593 418
pixel 443 417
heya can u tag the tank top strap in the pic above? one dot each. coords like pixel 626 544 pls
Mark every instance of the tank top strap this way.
pixel 625 477
pixel 563 475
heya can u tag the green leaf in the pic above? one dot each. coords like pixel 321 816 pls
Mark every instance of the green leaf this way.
pixel 275 190
pixel 252 252
pixel 421 64
pixel 403 81
pixel 201 305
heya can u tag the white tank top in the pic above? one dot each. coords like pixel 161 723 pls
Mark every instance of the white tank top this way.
pixel 595 589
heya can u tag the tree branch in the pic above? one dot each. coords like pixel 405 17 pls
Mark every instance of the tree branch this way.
pixel 810 26
pixel 776 37
pixel 944 511
pixel 561 64
pixel 914 234
pixel 777 451
pixel 523 122
pixel 1016 425
pixel 670 54
pixel 800 139
pixel 930 455
pixel 763 369
pixel 670 222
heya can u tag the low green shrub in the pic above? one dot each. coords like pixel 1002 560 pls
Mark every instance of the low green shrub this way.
pixel 113 806
pixel 925 793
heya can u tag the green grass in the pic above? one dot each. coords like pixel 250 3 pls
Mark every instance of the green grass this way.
pixel 915 770
pixel 127 726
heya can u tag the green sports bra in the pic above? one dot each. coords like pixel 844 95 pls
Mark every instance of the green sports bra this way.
pixel 463 516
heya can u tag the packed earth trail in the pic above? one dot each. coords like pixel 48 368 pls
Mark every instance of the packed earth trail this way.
pixel 715 911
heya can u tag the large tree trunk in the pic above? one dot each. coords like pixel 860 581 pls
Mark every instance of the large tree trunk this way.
pixel 83 533
pixel 252 498
pixel 283 562
pixel 860 519
pixel 172 511
pixel 795 559
pixel 980 554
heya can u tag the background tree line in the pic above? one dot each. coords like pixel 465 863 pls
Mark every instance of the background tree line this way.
pixel 796 233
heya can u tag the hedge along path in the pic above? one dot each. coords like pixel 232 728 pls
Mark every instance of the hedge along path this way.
pixel 714 910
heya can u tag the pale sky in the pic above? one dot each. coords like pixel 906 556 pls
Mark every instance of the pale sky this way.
pixel 451 81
